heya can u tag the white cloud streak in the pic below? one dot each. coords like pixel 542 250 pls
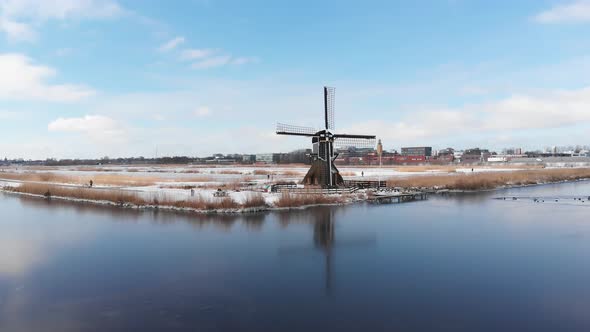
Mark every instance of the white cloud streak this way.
pixel 22 79
pixel 556 109
pixel 573 12
pixel 212 62
pixel 193 54
pixel 222 60
pixel 171 44
pixel 16 31
pixel 17 17
pixel 99 128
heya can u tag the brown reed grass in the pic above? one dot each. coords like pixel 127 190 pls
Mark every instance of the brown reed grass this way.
pixel 292 173
pixel 297 200
pixel 254 200
pixel 229 172
pixel 122 197
pixel 97 179
pixel 49 190
pixel 490 180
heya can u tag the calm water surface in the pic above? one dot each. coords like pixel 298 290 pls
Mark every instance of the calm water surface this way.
pixel 460 263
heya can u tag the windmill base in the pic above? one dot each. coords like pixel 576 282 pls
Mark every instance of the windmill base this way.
pixel 319 175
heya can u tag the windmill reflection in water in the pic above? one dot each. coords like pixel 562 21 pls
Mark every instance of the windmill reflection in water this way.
pixel 325 240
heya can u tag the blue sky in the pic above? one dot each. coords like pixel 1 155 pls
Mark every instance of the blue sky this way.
pixel 92 78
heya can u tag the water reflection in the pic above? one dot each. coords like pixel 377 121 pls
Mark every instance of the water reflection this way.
pixel 461 263
pixel 323 221
pixel 222 221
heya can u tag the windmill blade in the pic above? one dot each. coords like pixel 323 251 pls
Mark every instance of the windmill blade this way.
pixel 355 136
pixel 357 142
pixel 329 100
pixel 285 129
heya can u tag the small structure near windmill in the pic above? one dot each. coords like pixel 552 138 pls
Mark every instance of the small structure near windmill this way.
pixel 323 172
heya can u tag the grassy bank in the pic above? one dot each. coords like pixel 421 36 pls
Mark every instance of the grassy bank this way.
pixel 253 201
pixel 490 180
pixel 297 200
pixel 126 198
pixel 98 179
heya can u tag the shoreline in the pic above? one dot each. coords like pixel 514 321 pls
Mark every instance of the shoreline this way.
pixel 133 206
pixel 260 209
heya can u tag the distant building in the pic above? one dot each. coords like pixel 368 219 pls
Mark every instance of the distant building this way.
pixel 474 156
pixel 248 158
pixel 425 151
pixel 268 158
pixel 301 156
pixel 447 151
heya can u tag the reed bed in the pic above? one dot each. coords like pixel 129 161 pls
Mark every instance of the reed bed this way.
pixel 122 197
pixel 254 200
pixel 490 180
pixel 347 173
pixel 48 190
pixel 292 173
pixel 202 178
pixel 229 172
pixel 297 200
pixel 453 168
pixel 97 179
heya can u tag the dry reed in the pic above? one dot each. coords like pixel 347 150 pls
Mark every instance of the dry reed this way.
pixel 48 190
pixel 297 200
pixel 254 200
pixel 122 197
pixel 97 179
pixel 229 172
pixel 490 180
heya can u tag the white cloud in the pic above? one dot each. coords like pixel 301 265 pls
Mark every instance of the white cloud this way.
pixel 193 54
pixel 243 60
pixel 97 127
pixel 551 110
pixel 59 9
pixel 22 79
pixel 212 62
pixel 202 111
pixel 208 61
pixel 577 11
pixel 171 44
pixel 17 17
pixel 16 31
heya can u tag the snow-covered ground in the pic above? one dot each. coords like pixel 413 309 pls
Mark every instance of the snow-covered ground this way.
pixel 176 182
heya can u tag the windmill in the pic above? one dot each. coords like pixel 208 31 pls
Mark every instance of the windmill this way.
pixel 323 172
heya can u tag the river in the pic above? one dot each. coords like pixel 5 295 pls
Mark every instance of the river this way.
pixel 451 263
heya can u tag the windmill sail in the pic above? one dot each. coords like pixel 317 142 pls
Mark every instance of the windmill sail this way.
pixel 357 142
pixel 285 129
pixel 329 100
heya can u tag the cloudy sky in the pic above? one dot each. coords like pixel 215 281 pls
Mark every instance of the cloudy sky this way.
pixel 91 78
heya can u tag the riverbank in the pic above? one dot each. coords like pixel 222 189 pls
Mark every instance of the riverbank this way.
pixel 253 201
pixel 243 196
pixel 490 180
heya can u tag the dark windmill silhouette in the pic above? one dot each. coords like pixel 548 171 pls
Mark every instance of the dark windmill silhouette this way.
pixel 324 240
pixel 323 172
